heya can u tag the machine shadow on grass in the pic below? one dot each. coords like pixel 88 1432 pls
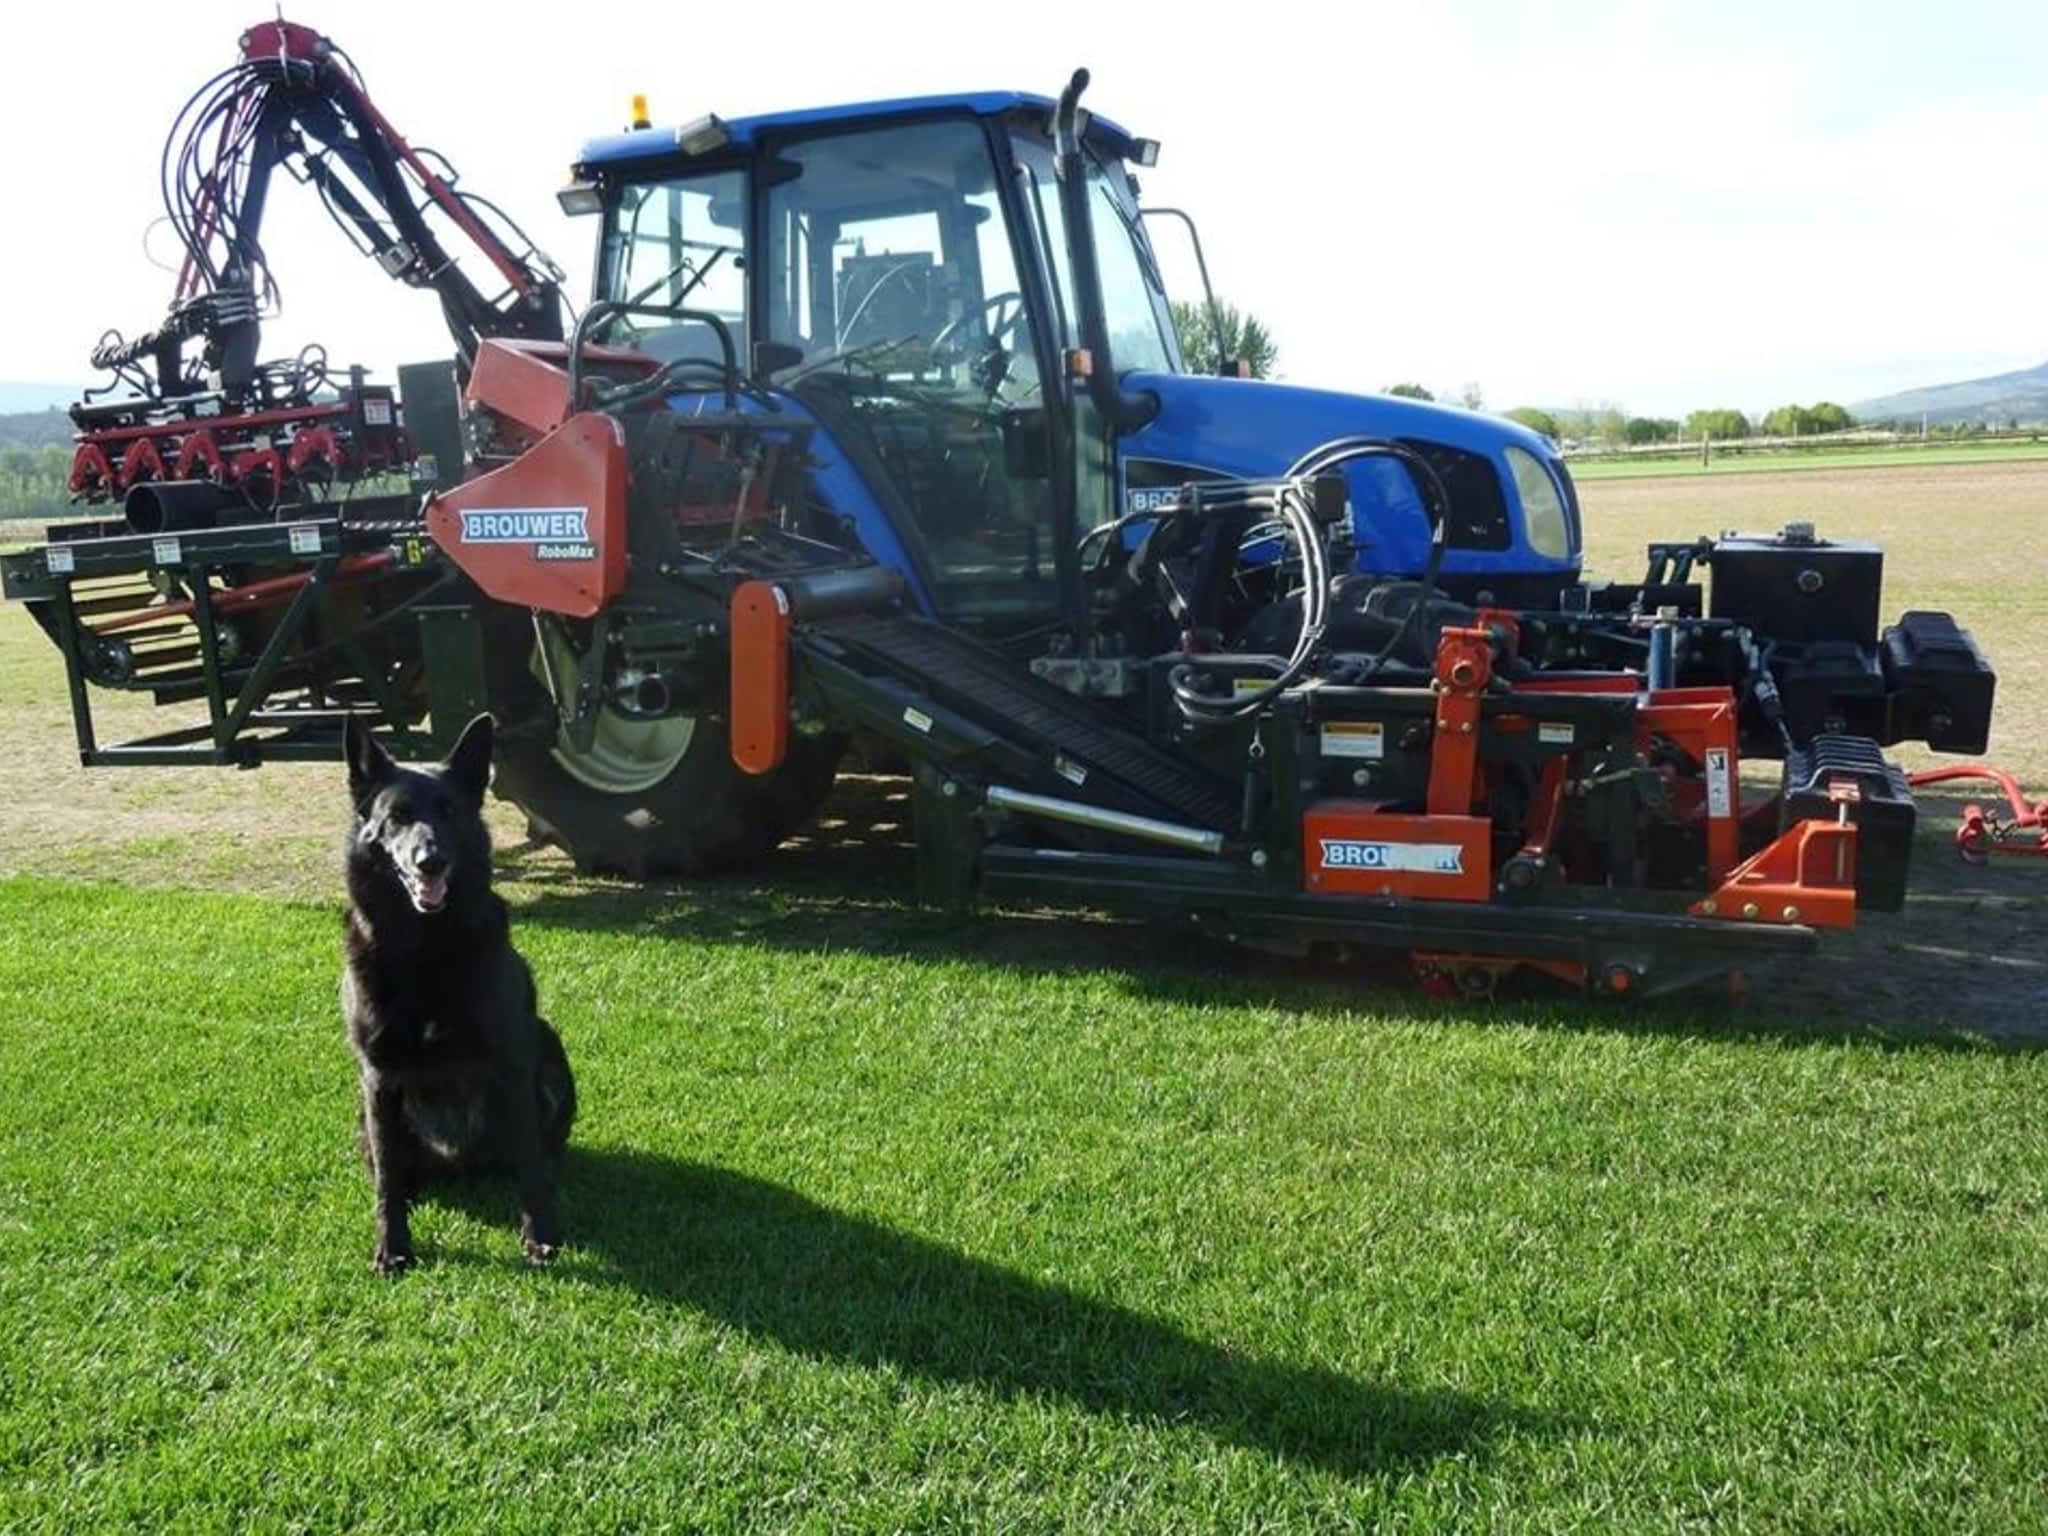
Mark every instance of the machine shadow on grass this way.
pixel 1960 970
pixel 831 1286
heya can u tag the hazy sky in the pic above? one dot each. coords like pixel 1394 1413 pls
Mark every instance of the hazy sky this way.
pixel 1662 205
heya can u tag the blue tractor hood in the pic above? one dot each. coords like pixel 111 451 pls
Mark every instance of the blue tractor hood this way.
pixel 1253 428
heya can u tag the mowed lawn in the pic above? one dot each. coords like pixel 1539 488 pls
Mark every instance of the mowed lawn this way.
pixel 900 1224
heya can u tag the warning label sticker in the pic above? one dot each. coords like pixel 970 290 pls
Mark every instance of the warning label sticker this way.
pixel 1720 783
pixel 1354 738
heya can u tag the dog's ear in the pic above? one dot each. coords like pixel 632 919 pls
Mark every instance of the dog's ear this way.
pixel 469 766
pixel 369 765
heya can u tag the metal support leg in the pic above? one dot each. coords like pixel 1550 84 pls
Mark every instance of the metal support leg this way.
pixel 288 628
pixel 209 661
pixel 74 673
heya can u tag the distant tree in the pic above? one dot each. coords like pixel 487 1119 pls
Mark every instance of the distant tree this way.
pixel 1830 417
pixel 1788 421
pixel 1245 338
pixel 1638 431
pixel 1410 392
pixel 1535 420
pixel 33 481
pixel 1469 396
pixel 1598 421
pixel 1719 425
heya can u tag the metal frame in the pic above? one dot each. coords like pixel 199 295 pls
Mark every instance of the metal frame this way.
pixel 241 729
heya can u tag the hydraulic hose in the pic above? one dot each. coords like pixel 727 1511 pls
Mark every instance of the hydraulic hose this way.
pixel 1293 512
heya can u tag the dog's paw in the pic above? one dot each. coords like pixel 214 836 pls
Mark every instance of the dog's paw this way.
pixel 392 1261
pixel 539 1254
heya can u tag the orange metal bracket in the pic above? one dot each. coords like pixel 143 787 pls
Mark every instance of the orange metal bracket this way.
pixel 1464 665
pixel 574 480
pixel 1808 875
pixel 1702 721
pixel 760 676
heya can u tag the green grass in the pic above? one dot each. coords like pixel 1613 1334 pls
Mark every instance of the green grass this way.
pixel 1735 462
pixel 886 1224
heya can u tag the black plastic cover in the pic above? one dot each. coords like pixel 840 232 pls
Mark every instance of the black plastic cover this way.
pixel 1941 685
pixel 1830 685
pixel 1795 588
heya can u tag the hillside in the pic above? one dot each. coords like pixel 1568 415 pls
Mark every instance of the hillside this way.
pixel 34 429
pixel 1995 401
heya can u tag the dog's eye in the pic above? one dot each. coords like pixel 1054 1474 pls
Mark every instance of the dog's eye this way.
pixel 399 812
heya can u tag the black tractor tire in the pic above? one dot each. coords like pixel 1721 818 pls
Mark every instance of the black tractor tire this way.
pixel 706 816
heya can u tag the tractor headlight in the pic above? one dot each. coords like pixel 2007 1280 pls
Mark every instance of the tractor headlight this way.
pixel 1544 522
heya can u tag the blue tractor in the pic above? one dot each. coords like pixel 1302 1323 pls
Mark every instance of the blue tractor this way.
pixel 876 432
pixel 921 271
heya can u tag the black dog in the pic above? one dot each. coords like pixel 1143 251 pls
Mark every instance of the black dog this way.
pixel 460 1072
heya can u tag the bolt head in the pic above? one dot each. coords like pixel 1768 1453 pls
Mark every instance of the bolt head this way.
pixel 949 789
pixel 1750 909
pixel 1709 907
pixel 1791 914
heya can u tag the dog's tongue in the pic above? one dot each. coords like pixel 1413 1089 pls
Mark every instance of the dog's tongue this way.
pixel 431 893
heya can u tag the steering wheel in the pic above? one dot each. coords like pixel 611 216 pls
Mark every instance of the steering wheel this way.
pixel 1000 316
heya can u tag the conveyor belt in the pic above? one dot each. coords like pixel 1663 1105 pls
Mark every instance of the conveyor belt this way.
pixel 987 686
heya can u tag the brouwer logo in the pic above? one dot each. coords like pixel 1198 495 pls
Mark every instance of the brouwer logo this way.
pixel 1407 858
pixel 556 533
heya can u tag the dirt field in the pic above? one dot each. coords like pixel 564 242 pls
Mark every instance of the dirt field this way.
pixel 1972 539
pixel 1969 952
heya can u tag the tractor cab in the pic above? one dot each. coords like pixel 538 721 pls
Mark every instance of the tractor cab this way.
pixel 986 348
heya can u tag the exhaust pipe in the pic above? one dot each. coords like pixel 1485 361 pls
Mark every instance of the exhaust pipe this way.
pixel 642 695
pixel 177 506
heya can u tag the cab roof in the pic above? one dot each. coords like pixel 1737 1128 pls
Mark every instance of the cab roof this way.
pixel 744 132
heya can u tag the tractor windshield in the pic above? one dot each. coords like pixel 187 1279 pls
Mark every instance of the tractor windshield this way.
pixel 1133 296
pixel 889 255
pixel 677 245
pixel 891 272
